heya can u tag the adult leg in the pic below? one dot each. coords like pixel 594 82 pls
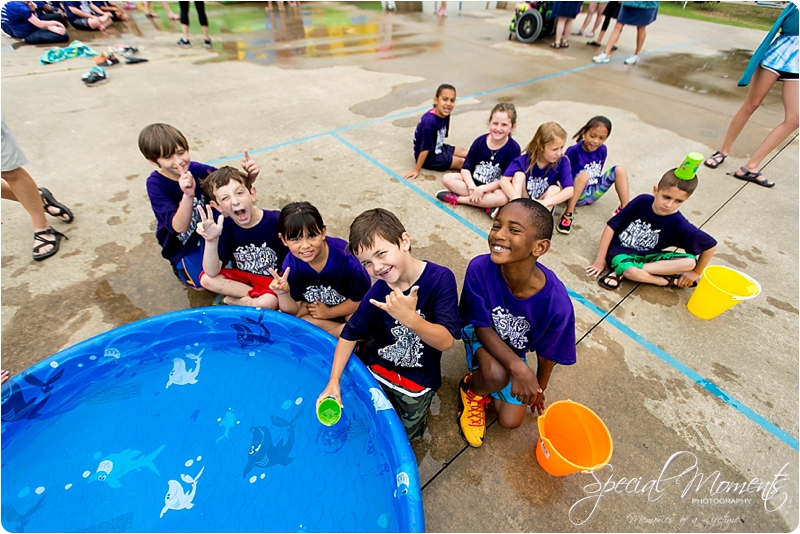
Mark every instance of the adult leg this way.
pixel 19 186
pixel 641 35
pixel 567 30
pixel 615 33
pixel 201 14
pixel 589 13
pixel 171 14
pixel 184 19
pixel 560 24
pixel 781 131
pixel 600 18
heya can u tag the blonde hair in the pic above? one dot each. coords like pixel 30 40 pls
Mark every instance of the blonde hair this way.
pixel 546 133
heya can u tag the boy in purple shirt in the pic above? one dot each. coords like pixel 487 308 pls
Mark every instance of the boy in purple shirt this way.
pixel 322 282
pixel 409 317
pixel 430 150
pixel 512 305
pixel 251 242
pixel 634 240
pixel 175 193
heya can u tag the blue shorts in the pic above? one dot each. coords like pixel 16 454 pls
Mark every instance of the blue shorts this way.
pixel 188 268
pixel 442 161
pixel 471 345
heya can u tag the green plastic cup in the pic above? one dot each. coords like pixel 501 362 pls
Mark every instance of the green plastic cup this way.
pixel 329 411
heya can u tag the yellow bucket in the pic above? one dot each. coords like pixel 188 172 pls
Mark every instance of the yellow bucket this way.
pixel 572 438
pixel 719 289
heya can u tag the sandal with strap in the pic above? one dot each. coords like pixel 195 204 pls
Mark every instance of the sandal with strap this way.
pixel 749 176
pixel 609 280
pixel 672 281
pixel 715 160
pixel 49 201
pixel 55 242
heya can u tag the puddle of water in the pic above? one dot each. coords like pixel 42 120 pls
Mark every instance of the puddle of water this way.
pixel 716 75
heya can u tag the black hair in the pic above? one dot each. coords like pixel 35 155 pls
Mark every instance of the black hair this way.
pixel 443 87
pixel 594 122
pixel 298 218
pixel 540 217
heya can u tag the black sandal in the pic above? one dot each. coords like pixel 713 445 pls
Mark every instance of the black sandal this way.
pixel 715 160
pixel 49 201
pixel 55 242
pixel 606 279
pixel 672 281
pixel 755 177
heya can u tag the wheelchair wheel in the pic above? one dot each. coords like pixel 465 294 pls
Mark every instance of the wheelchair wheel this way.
pixel 529 26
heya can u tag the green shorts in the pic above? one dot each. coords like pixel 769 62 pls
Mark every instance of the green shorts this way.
pixel 622 262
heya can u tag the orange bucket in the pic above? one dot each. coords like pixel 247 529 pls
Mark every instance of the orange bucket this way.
pixel 572 438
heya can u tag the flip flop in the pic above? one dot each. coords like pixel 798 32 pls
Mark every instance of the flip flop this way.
pixel 55 242
pixel 49 201
pixel 605 280
pixel 754 177
pixel 715 160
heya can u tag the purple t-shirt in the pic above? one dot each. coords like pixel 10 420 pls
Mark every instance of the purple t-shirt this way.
pixel 538 180
pixel 544 322
pixel 639 230
pixel 254 250
pixel 430 133
pixel 343 277
pixel 589 162
pixel 14 19
pixel 393 345
pixel 487 165
pixel 165 196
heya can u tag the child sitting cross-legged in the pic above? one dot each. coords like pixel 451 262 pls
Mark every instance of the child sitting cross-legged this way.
pixel 512 305
pixel 634 240
pixel 322 282
pixel 251 242
pixel 409 317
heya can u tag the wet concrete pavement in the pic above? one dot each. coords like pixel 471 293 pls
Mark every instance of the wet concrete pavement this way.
pixel 326 99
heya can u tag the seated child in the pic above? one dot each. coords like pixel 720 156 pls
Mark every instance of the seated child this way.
pixel 512 305
pixel 175 193
pixel 634 240
pixel 430 150
pixel 478 183
pixel 251 242
pixel 322 282
pixel 23 20
pixel 409 316
pixel 587 158
pixel 86 16
pixel 540 169
pixel 117 13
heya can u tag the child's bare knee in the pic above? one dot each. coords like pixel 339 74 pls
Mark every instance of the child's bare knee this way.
pixel 688 264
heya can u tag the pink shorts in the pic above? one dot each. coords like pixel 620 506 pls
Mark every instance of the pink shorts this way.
pixel 258 282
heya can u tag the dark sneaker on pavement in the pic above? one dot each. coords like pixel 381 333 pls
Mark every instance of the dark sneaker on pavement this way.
pixel 566 223
pixel 447 196
pixel 207 43
pixel 95 76
pixel 184 43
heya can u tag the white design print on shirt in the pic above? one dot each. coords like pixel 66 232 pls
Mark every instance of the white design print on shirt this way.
pixel 510 327
pixel 594 170
pixel 326 295
pixel 639 236
pixel 406 350
pixel 255 259
pixel 537 186
pixel 440 135
pixel 183 237
pixel 486 172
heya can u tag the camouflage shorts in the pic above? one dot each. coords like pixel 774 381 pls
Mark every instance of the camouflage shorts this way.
pixel 413 411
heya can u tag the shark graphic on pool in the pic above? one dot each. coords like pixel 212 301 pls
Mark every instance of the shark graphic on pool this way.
pixel 115 466
pixel 264 452
pixel 176 498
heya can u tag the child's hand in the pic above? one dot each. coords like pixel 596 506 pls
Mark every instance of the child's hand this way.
pixel 319 310
pixel 476 194
pixel 331 390
pixel 186 183
pixel 596 268
pixel 524 385
pixel 538 404
pixel 250 167
pixel 410 175
pixel 280 284
pixel 402 308
pixel 687 279
pixel 3 376
pixel 207 228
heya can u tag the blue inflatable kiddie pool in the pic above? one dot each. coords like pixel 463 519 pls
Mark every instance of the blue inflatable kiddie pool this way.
pixel 203 420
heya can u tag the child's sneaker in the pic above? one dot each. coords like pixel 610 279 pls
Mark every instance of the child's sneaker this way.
pixel 207 43
pixel 95 76
pixel 566 222
pixel 184 43
pixel 619 208
pixel 447 196
pixel 106 60
pixel 493 213
pixel 471 413
pixel 601 58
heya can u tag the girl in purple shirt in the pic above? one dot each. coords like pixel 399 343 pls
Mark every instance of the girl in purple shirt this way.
pixel 478 183
pixel 587 158
pixel 541 173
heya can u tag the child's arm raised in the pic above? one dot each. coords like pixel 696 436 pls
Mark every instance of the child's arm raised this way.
pixel 420 160
pixel 690 277
pixel 183 216
pixel 599 264
pixel 250 166
pixel 210 231
pixel 344 348
pixel 524 385
pixel 404 309
pixel 280 285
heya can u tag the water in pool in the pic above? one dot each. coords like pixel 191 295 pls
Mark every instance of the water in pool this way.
pixel 201 423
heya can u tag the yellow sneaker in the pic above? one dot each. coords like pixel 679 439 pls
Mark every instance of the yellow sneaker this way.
pixel 471 413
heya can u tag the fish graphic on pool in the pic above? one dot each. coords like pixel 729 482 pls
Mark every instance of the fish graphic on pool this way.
pixel 228 421
pixel 181 376
pixel 115 466
pixel 264 452
pixel 177 498
pixel 14 405
pixel 333 438
pixel 252 334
